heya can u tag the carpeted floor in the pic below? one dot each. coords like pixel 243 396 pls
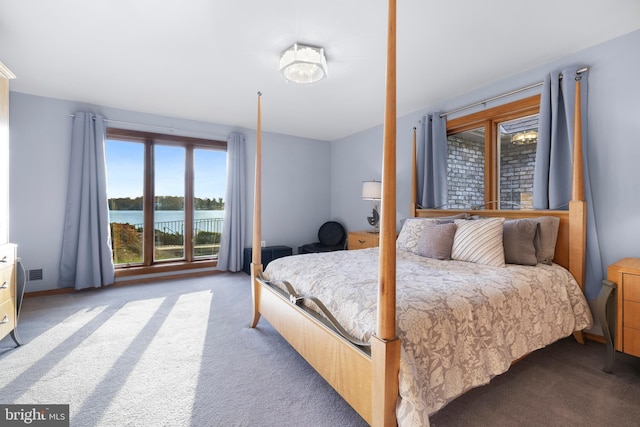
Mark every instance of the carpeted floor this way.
pixel 176 353
pixel 180 353
pixel 560 385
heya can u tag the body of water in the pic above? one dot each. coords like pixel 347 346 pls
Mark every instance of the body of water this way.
pixel 136 217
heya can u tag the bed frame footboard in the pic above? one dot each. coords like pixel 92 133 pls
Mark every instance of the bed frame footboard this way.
pixel 344 366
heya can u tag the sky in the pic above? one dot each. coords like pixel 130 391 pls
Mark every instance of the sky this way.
pixel 125 171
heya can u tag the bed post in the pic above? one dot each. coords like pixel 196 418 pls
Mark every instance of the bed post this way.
pixel 413 207
pixel 256 262
pixel 385 345
pixel 577 205
pixel 578 214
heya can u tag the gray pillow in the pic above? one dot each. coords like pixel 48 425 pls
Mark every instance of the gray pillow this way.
pixel 545 243
pixel 451 218
pixel 518 240
pixel 436 241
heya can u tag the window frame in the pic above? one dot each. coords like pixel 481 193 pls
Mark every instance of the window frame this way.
pixel 150 140
pixel 490 119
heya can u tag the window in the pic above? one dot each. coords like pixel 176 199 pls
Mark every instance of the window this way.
pixel 165 199
pixel 491 157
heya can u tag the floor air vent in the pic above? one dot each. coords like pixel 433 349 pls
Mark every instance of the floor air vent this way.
pixel 35 274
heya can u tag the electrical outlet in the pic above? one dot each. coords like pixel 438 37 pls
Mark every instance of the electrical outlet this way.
pixel 263 244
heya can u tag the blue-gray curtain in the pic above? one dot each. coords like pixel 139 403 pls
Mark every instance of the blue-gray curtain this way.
pixel 86 260
pixel 233 227
pixel 552 176
pixel 432 162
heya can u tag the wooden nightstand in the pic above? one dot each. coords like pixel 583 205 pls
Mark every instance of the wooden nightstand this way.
pixel 363 239
pixel 626 275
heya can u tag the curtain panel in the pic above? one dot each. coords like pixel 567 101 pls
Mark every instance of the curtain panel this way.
pixel 231 252
pixel 432 161
pixel 86 260
pixel 552 175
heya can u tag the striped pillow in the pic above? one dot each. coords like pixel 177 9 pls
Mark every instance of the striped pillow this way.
pixel 479 241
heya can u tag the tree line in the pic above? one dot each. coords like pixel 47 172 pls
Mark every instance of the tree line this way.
pixel 164 203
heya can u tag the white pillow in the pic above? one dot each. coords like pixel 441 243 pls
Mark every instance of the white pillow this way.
pixel 479 241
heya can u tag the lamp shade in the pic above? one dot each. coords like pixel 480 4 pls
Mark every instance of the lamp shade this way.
pixel 303 64
pixel 371 190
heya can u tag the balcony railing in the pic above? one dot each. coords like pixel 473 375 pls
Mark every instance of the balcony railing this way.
pixel 209 225
pixel 169 240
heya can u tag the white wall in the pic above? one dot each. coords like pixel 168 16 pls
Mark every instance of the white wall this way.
pixel 613 145
pixel 296 181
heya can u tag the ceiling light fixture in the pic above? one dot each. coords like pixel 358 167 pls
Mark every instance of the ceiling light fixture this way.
pixel 303 64
pixel 522 138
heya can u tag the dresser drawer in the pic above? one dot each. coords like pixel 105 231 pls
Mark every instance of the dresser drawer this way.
pixel 631 287
pixel 7 290
pixel 632 341
pixel 7 316
pixel 363 240
pixel 7 255
pixel 631 314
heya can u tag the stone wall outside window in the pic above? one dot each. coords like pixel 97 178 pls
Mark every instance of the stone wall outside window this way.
pixel 465 174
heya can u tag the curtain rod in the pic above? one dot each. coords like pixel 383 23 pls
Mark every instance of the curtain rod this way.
pixel 165 128
pixel 522 89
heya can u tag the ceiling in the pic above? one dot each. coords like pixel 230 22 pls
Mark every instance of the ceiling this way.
pixel 206 59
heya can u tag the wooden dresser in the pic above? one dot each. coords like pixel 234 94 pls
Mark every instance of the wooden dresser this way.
pixel 626 275
pixel 8 295
pixel 8 259
pixel 362 240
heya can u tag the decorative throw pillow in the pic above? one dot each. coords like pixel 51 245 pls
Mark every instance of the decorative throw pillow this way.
pixel 545 242
pixel 410 232
pixel 436 241
pixel 518 240
pixel 479 241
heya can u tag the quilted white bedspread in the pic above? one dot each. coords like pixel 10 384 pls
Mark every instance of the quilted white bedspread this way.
pixel 460 323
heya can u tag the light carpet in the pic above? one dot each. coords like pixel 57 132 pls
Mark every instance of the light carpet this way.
pixel 175 353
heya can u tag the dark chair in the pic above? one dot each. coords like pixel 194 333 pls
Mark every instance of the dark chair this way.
pixel 332 236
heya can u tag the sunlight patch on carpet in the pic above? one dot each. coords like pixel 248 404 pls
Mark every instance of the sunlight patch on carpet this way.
pixel 167 372
pixel 91 357
pixel 63 334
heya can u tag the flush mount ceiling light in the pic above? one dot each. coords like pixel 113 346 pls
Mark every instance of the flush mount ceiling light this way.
pixel 303 64
pixel 522 138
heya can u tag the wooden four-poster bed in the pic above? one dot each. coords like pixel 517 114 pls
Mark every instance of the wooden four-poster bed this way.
pixel 369 376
